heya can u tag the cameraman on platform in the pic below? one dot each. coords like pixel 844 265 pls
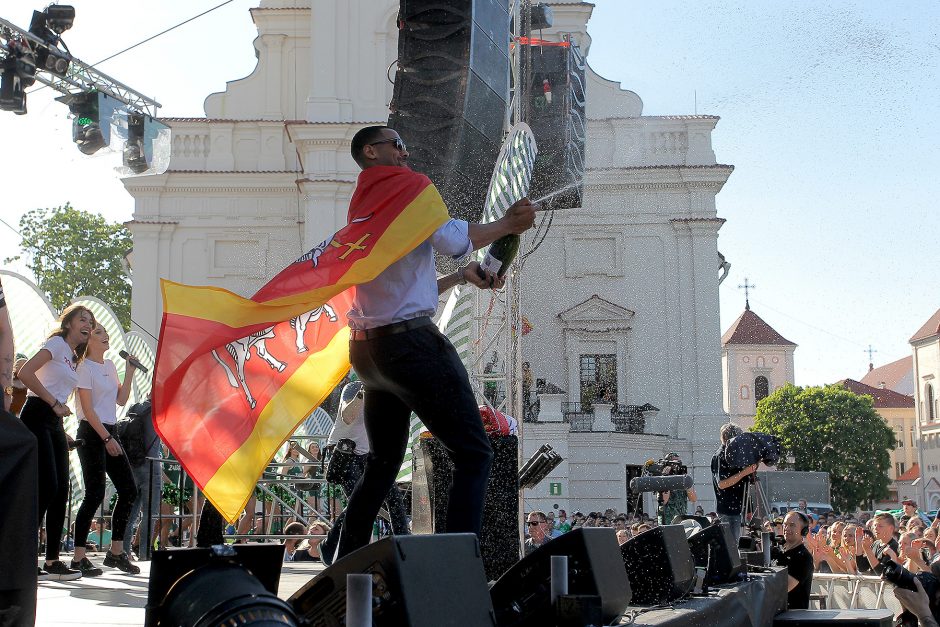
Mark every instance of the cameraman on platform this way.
pixel 729 482
pixel 674 502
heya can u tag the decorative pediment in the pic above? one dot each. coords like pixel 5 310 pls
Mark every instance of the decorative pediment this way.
pixel 595 312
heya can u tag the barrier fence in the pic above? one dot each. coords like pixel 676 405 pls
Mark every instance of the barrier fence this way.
pixel 853 592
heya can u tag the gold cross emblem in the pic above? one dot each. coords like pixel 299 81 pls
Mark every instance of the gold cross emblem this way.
pixel 351 246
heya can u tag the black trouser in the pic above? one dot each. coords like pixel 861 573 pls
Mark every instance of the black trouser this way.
pixel 17 521
pixel 394 502
pixel 53 459
pixel 419 371
pixel 211 526
pixel 95 463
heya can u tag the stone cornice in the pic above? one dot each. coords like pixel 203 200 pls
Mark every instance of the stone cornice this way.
pixel 666 177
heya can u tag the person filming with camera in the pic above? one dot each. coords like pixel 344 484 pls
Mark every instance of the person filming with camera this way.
pixel 729 482
pixel 674 502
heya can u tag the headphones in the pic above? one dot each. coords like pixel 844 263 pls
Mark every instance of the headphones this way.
pixel 806 523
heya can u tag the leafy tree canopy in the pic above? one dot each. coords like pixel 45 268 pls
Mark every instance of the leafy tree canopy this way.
pixel 833 430
pixel 77 253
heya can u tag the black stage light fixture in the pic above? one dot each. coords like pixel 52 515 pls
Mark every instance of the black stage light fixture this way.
pixel 18 73
pixel 221 585
pixel 53 61
pixel 86 126
pixel 135 158
pixel 12 95
pixel 51 22
pixel 539 466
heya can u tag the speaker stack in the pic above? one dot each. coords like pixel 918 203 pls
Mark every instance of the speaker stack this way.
pixel 432 479
pixel 451 94
pixel 659 565
pixel 556 114
pixel 715 549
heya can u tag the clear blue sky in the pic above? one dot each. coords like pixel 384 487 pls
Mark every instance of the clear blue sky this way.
pixel 827 113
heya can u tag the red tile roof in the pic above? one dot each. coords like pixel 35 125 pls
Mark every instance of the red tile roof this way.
pixel 750 328
pixel 911 474
pixel 881 398
pixel 890 375
pixel 930 328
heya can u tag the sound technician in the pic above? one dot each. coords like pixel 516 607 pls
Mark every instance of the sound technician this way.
pixel 798 560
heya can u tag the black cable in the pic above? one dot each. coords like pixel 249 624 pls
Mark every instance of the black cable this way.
pixel 62 266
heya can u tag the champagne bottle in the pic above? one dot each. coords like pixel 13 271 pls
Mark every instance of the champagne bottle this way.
pixel 500 255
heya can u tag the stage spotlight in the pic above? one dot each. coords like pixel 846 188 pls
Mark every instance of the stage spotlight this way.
pixel 134 157
pixel 12 95
pixel 51 22
pixel 86 126
pixel 53 60
pixel 223 585
pixel 19 72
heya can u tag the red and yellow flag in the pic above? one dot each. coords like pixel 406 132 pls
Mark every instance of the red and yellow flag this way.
pixel 235 376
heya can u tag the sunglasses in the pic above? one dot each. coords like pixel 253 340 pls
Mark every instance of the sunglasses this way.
pixel 533 523
pixel 399 144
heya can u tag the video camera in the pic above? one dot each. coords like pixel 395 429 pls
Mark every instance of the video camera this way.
pixel 751 448
pixel 904 579
pixel 666 466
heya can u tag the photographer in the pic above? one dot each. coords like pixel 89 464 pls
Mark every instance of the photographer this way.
pixel 729 482
pixel 674 502
pixel 797 559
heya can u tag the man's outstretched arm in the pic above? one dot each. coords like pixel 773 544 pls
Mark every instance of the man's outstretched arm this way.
pixel 519 218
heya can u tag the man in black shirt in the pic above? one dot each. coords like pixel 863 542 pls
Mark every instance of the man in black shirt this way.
pixel 797 559
pixel 729 483
pixel 886 542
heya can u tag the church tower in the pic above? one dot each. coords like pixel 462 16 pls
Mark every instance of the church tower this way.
pixel 755 361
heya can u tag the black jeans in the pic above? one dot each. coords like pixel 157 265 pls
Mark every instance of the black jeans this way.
pixel 53 460
pixel 394 502
pixel 95 463
pixel 419 371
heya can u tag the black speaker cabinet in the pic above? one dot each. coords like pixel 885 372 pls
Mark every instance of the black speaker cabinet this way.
pixel 835 618
pixel 556 114
pixel 420 581
pixel 659 564
pixel 522 597
pixel 500 538
pixel 451 93
pixel 714 548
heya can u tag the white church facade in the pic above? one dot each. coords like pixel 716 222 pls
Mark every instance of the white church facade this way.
pixel 622 295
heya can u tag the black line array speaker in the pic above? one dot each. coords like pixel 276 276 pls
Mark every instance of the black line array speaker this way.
pixel 522 597
pixel 659 564
pixel 420 581
pixel 556 114
pixel 451 93
pixel 714 548
pixel 500 538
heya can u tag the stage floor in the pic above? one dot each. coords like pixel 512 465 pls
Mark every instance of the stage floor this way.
pixel 119 599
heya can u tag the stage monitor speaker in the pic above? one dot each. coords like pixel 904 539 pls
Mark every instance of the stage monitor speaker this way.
pixel 499 541
pixel 556 114
pixel 714 548
pixel 522 597
pixel 835 618
pixel 420 581
pixel 659 565
pixel 451 92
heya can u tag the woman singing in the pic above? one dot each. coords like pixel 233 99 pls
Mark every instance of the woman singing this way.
pixel 50 377
pixel 98 390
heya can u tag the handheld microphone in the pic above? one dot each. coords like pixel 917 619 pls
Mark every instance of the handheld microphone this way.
pixel 661 484
pixel 133 361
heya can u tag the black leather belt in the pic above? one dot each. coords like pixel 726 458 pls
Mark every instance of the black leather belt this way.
pixel 389 329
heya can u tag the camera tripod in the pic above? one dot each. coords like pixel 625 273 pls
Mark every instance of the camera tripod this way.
pixel 755 501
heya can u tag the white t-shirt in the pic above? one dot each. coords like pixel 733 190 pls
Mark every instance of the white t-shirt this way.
pixel 102 380
pixel 351 406
pixel 59 375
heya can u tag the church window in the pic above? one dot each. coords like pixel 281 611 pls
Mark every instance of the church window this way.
pixel 598 379
pixel 900 436
pixel 760 388
pixel 900 468
pixel 745 392
pixel 760 362
pixel 929 405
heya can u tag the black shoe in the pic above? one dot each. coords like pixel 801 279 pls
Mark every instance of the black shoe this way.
pixel 43 576
pixel 86 567
pixel 60 572
pixel 120 562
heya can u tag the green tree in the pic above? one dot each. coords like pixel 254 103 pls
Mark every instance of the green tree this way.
pixel 77 253
pixel 833 430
